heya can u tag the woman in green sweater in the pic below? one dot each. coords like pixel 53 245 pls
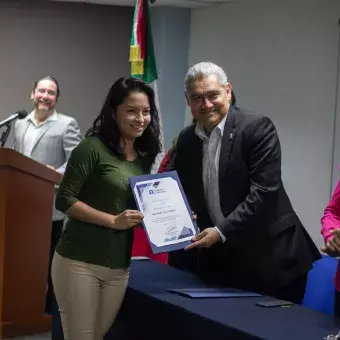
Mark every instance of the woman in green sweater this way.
pixel 90 268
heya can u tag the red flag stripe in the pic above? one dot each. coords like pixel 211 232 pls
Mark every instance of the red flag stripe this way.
pixel 142 28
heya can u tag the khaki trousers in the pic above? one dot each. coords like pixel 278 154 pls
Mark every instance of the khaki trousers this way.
pixel 89 297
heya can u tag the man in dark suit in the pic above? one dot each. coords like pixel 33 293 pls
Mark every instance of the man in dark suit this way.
pixel 229 164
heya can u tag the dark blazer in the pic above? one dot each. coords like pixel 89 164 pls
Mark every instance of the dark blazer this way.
pixel 267 246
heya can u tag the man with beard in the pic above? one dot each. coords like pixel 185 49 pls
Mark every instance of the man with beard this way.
pixel 229 164
pixel 48 137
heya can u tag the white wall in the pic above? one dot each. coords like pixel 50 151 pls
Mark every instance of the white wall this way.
pixel 171 31
pixel 281 57
pixel 336 141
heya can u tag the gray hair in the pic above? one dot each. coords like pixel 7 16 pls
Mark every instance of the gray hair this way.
pixel 204 69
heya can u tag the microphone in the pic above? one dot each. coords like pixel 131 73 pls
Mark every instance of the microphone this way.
pixel 18 114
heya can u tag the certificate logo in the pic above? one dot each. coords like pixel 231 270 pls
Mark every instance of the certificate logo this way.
pixel 155 188
pixel 156 184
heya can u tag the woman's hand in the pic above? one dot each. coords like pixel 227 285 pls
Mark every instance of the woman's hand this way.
pixel 126 219
pixel 332 247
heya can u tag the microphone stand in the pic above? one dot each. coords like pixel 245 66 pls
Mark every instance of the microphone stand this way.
pixel 5 134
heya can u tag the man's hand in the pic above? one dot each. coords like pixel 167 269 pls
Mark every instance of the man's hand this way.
pixel 205 239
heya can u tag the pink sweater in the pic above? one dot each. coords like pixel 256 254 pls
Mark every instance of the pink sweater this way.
pixel 330 221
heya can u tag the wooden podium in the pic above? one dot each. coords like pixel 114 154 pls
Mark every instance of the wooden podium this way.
pixel 26 203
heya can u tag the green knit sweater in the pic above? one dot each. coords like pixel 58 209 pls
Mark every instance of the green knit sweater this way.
pixel 97 177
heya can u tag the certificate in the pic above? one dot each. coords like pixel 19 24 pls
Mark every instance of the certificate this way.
pixel 167 216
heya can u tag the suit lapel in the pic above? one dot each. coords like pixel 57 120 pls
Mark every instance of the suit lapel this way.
pixel 199 157
pixel 191 165
pixel 227 142
pixel 24 128
pixel 196 173
pixel 42 131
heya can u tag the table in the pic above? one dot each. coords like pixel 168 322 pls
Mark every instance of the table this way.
pixel 149 312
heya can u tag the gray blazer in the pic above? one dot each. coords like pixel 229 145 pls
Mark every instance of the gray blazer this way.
pixel 53 145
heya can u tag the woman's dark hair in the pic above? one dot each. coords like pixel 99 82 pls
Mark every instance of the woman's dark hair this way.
pixel 105 126
pixel 35 84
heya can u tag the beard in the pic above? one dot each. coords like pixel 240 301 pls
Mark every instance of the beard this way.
pixel 44 107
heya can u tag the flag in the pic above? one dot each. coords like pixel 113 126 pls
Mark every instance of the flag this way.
pixel 142 58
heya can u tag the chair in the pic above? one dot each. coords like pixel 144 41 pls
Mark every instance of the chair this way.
pixel 319 293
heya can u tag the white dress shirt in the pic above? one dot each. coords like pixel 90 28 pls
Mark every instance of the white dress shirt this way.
pixel 210 165
pixel 33 131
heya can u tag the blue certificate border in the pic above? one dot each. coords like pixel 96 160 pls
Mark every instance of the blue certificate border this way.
pixel 133 181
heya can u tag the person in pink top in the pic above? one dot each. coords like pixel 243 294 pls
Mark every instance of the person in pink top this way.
pixel 331 232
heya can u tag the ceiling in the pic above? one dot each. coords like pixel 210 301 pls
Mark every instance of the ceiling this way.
pixel 172 3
